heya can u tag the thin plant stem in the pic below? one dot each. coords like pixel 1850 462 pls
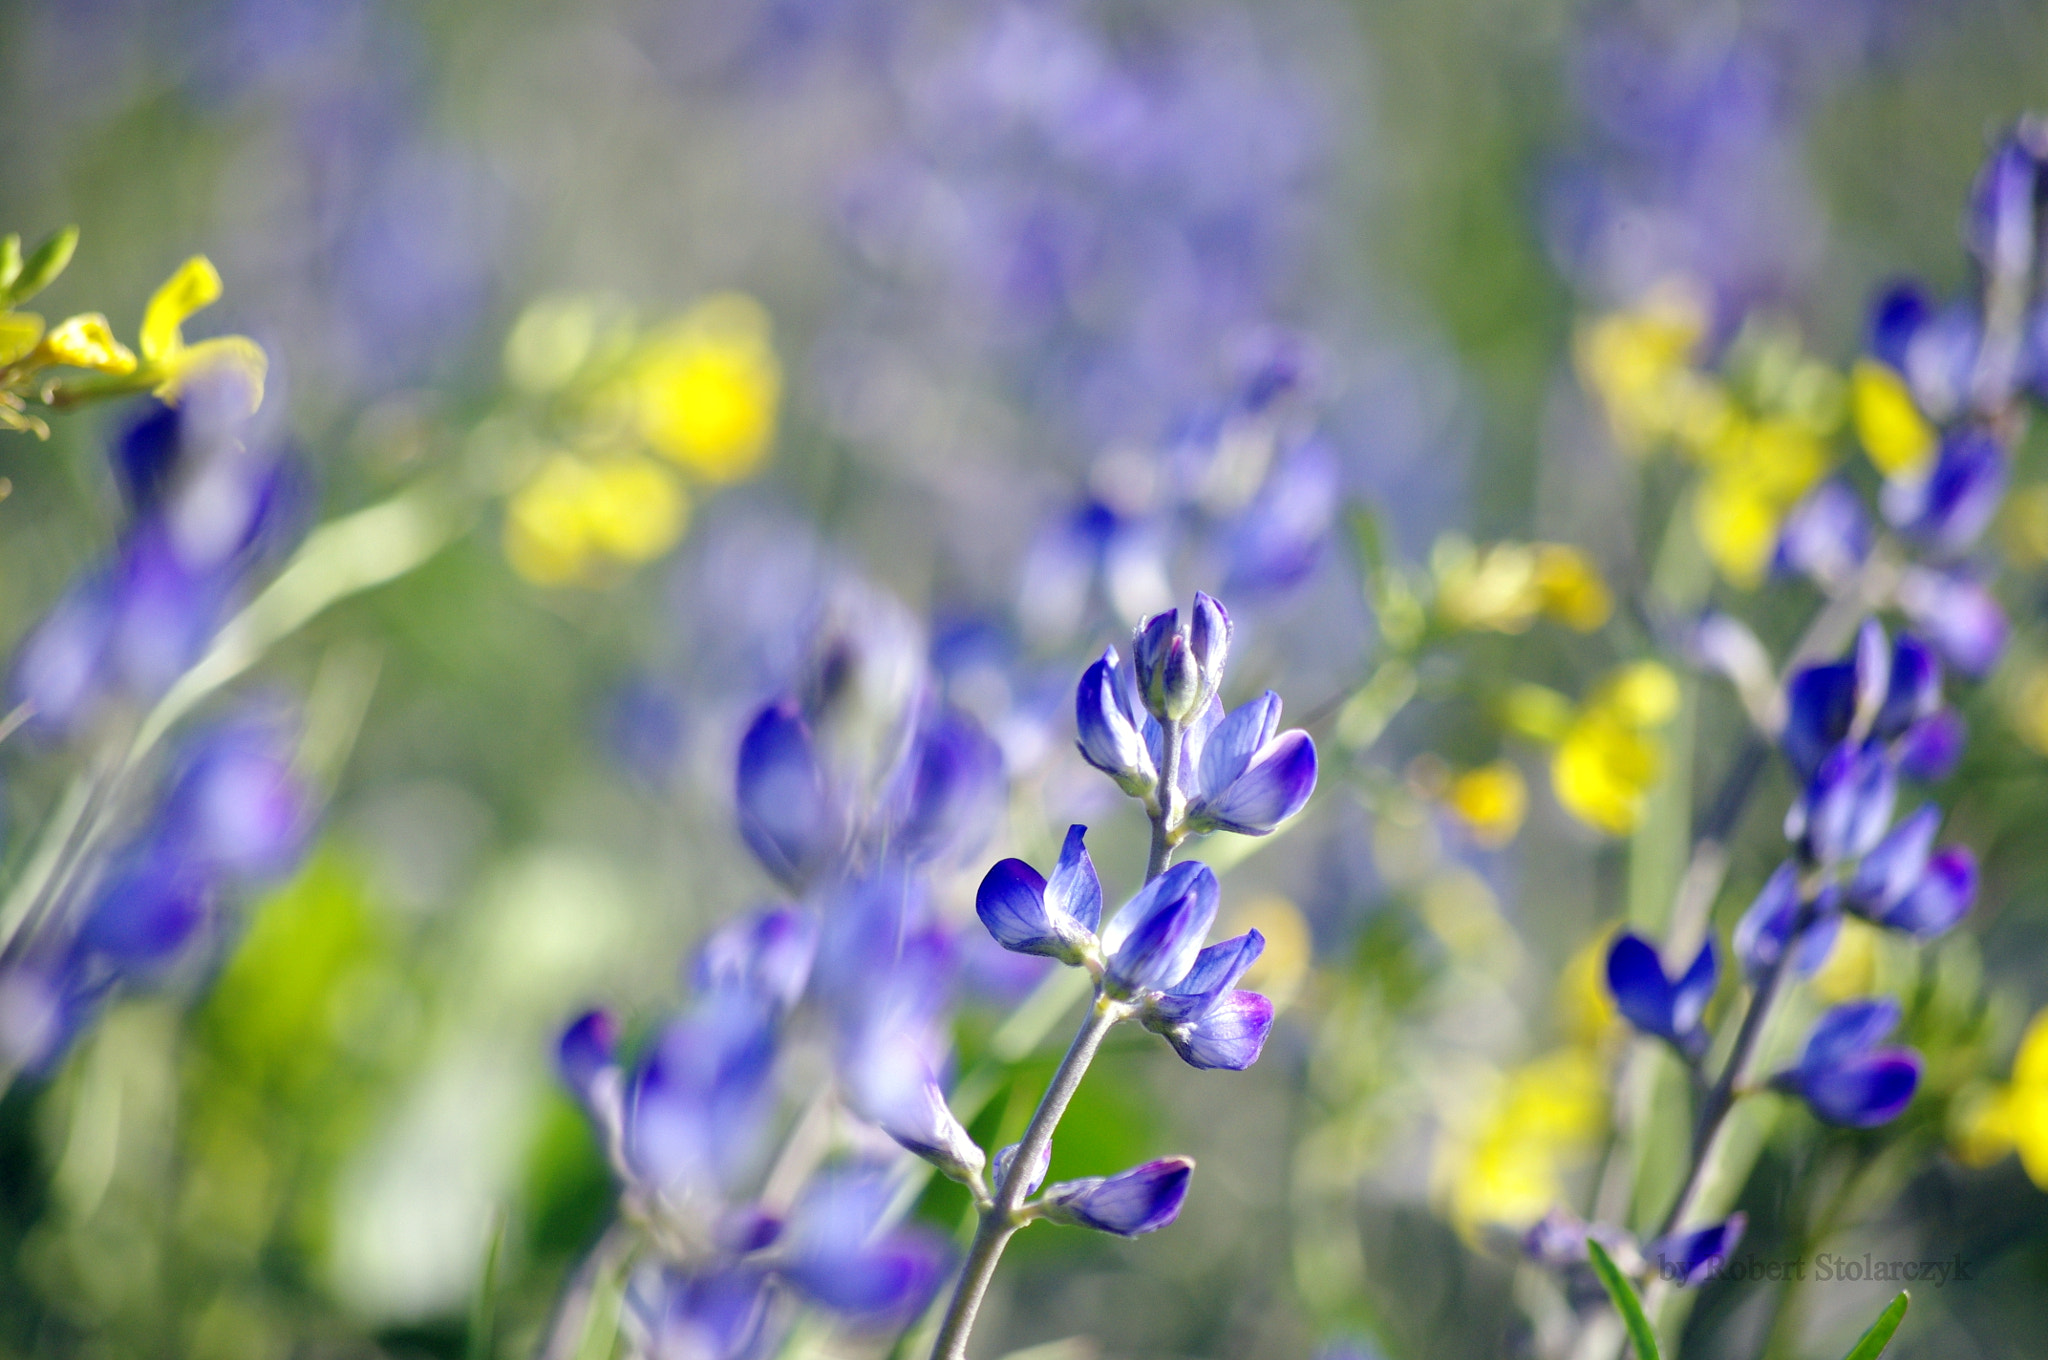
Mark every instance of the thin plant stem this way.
pixel 1166 820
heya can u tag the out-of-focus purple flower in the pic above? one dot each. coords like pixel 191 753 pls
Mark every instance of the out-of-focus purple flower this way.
pixel 766 955
pixel 952 789
pixel 150 906
pixel 1820 707
pixel 1208 1022
pixel 1826 537
pixel 1278 539
pixel 1904 884
pixel 697 1101
pixel 1898 314
pixel 1931 747
pixel 838 1253
pixel 1112 721
pixel 1845 1076
pixel 1164 666
pixel 1672 1010
pixel 1152 944
pixel 2002 228
pixel 787 815
pixel 1846 806
pixel 1946 509
pixel 1031 914
pixel 706 1314
pixel 890 1084
pixel 1958 614
pixel 642 729
pixel 1912 688
pixel 236 806
pixel 1142 1200
pixel 1244 774
pixel 1941 357
pixel 588 1047
pixel 1687 1258
pixel 1766 928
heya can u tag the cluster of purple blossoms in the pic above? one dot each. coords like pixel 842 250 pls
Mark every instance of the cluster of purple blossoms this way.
pixel 152 870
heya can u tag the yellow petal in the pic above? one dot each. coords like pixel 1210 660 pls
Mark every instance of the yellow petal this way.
pixel 1583 997
pixel 1980 1125
pixel 1570 587
pixel 634 510
pixel 707 389
pixel 86 341
pixel 2029 1124
pixel 2030 1064
pixel 1602 773
pixel 1851 967
pixel 233 361
pixel 1642 694
pixel 1738 528
pixel 1897 437
pixel 196 284
pixel 547 538
pixel 19 332
pixel 1491 800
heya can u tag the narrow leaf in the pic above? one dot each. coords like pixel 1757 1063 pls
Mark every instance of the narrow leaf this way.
pixel 45 265
pixel 1625 1301
pixel 1880 1334
pixel 10 260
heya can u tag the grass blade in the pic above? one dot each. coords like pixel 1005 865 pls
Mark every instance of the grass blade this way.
pixel 1880 1334
pixel 1630 1307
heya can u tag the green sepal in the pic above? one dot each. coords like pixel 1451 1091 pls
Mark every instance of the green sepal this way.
pixel 1880 1334
pixel 10 259
pixel 41 269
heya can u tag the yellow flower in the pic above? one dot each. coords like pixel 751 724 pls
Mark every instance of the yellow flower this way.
pixel 706 389
pixel 1850 970
pixel 1506 1164
pixel 1989 1122
pixel 1570 588
pixel 86 341
pixel 1897 437
pixel 1639 365
pixel 1757 470
pixel 578 516
pixel 1279 970
pixel 19 332
pixel 1584 999
pixel 171 362
pixel 1608 759
pixel 1491 800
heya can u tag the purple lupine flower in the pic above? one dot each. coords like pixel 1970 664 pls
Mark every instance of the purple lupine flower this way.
pixel 1163 664
pixel 1898 314
pixel 588 1048
pixel 1912 688
pixel 236 806
pixel 890 1083
pixel 1208 1021
pixel 787 815
pixel 838 1254
pixel 1931 748
pixel 1904 884
pixel 1846 806
pixel 1946 509
pixel 1243 773
pixel 951 789
pixel 1209 631
pixel 1766 928
pixel 767 954
pixel 1826 537
pixel 1031 914
pixel 1844 1074
pixel 1955 610
pixel 1687 1258
pixel 1672 1010
pixel 151 904
pixel 698 1099
pixel 2002 227
pixel 1112 721
pixel 1820 708
pixel 1153 942
pixel 717 1313
pixel 1142 1200
pixel 1279 538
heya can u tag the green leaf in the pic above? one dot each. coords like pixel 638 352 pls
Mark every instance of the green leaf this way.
pixel 10 260
pixel 45 265
pixel 1625 1301
pixel 1880 1334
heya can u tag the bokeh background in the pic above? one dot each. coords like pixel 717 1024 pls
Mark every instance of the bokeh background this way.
pixel 1027 265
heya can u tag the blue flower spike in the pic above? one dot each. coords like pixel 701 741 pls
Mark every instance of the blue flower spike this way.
pixel 786 813
pixel 1845 1074
pixel 1056 917
pixel 1142 1200
pixel 1248 775
pixel 1905 884
pixel 1765 930
pixel 1671 1010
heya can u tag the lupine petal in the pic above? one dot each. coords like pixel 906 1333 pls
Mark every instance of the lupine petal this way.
pixel 1209 632
pixel 1942 897
pixel 587 1047
pixel 1847 806
pixel 1820 704
pixel 1895 863
pixel 1110 738
pixel 1848 1030
pixel 1827 536
pixel 1947 509
pixel 1761 934
pixel 1227 1035
pixel 786 815
pixel 1227 750
pixel 1221 965
pixel 767 954
pixel 1142 1200
pixel 1871 1090
pixel 1074 890
pixel 1642 993
pixel 1931 748
pixel 1958 615
pixel 1689 1257
pixel 1011 903
pixel 1691 993
pixel 1914 690
pixel 1274 786
pixel 1153 941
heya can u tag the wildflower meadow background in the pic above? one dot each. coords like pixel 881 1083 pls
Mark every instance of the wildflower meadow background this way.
pixel 1053 679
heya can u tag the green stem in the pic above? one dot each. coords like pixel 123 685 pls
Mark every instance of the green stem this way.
pixel 1166 820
